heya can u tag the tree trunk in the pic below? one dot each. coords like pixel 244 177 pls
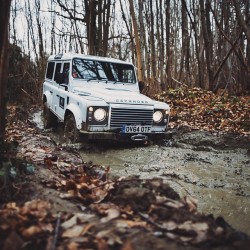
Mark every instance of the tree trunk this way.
pixel 4 20
pixel 207 43
pixel 168 56
pixel 106 24
pixel 137 42
pixel 241 19
pixel 184 68
pixel 152 40
pixel 90 8
pixel 142 35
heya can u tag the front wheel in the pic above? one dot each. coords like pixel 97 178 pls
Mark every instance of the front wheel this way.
pixel 71 133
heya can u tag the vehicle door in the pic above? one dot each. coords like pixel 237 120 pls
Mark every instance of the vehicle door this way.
pixel 62 95
pixel 54 90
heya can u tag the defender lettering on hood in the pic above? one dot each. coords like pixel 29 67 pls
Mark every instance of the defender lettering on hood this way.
pixel 131 101
pixel 101 100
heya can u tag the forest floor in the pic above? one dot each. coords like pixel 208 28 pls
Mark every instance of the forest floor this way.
pixel 54 200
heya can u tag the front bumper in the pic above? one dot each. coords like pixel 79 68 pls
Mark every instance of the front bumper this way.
pixel 124 137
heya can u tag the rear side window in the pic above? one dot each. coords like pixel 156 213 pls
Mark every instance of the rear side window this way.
pixel 58 70
pixel 50 70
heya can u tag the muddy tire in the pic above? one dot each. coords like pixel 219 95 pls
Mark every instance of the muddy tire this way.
pixel 49 119
pixel 71 133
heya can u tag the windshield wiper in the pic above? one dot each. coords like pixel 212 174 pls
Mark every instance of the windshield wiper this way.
pixel 117 81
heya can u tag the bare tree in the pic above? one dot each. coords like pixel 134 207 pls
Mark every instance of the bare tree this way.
pixel 4 20
pixel 207 42
pixel 200 42
pixel 137 41
pixel 241 20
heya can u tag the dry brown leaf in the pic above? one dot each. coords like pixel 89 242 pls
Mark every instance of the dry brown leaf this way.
pixel 112 213
pixel 72 246
pixel 130 223
pixel 197 226
pixel 110 236
pixel 70 223
pixel 73 232
pixel 13 242
pixel 192 203
pixel 102 244
pixel 31 231
pixel 127 245
pixel 169 225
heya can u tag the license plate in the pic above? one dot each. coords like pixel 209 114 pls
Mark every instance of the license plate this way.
pixel 136 129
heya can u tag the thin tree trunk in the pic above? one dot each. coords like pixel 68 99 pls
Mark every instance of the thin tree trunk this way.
pixel 152 40
pixel 137 42
pixel 4 20
pixel 168 56
pixel 142 35
pixel 241 20
pixel 106 25
pixel 207 43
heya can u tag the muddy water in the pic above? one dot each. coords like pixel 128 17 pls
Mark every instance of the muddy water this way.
pixel 218 179
pixel 215 170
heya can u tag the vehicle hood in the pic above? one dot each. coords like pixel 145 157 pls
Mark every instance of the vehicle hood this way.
pixel 111 95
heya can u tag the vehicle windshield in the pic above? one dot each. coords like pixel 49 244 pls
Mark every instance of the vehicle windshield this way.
pixel 99 70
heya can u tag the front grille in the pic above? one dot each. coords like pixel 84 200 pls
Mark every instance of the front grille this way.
pixel 121 116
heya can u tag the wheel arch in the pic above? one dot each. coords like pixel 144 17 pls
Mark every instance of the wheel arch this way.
pixel 47 97
pixel 76 112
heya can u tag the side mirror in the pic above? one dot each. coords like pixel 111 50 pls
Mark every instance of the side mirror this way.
pixel 58 78
pixel 141 86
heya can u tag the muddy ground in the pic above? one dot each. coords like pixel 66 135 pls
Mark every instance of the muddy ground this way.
pixel 212 168
pixel 108 196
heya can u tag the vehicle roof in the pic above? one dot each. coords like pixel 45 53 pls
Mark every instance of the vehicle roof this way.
pixel 70 56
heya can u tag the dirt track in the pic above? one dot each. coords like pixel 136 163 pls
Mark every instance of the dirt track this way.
pixel 212 168
pixel 67 192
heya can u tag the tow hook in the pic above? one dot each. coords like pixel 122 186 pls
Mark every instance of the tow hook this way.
pixel 139 137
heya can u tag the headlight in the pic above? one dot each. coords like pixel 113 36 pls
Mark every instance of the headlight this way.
pixel 100 114
pixel 157 116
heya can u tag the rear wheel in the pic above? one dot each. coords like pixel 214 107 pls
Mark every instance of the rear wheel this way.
pixel 71 133
pixel 49 119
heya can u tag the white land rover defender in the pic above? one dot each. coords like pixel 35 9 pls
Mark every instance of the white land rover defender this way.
pixel 99 98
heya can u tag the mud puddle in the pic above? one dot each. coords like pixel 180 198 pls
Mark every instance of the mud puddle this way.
pixel 215 170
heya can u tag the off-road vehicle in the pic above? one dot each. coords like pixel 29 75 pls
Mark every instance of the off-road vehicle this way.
pixel 99 98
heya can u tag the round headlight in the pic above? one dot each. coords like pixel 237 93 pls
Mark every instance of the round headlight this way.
pixel 100 114
pixel 157 116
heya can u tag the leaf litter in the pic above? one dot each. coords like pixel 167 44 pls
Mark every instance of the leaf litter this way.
pixel 200 109
pixel 112 212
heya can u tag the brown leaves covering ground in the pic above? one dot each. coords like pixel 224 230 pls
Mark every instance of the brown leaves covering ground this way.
pixel 114 213
pixel 204 110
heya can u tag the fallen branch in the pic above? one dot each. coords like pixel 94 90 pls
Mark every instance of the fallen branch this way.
pixel 58 222
pixel 180 83
pixel 31 97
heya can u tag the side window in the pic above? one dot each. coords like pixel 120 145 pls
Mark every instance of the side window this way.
pixel 66 73
pixel 58 70
pixel 50 70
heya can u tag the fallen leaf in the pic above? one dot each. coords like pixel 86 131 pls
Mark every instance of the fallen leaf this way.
pixel 31 231
pixel 69 223
pixel 112 213
pixel 73 232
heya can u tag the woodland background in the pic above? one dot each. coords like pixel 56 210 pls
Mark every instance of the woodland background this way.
pixel 200 43
pixel 173 43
